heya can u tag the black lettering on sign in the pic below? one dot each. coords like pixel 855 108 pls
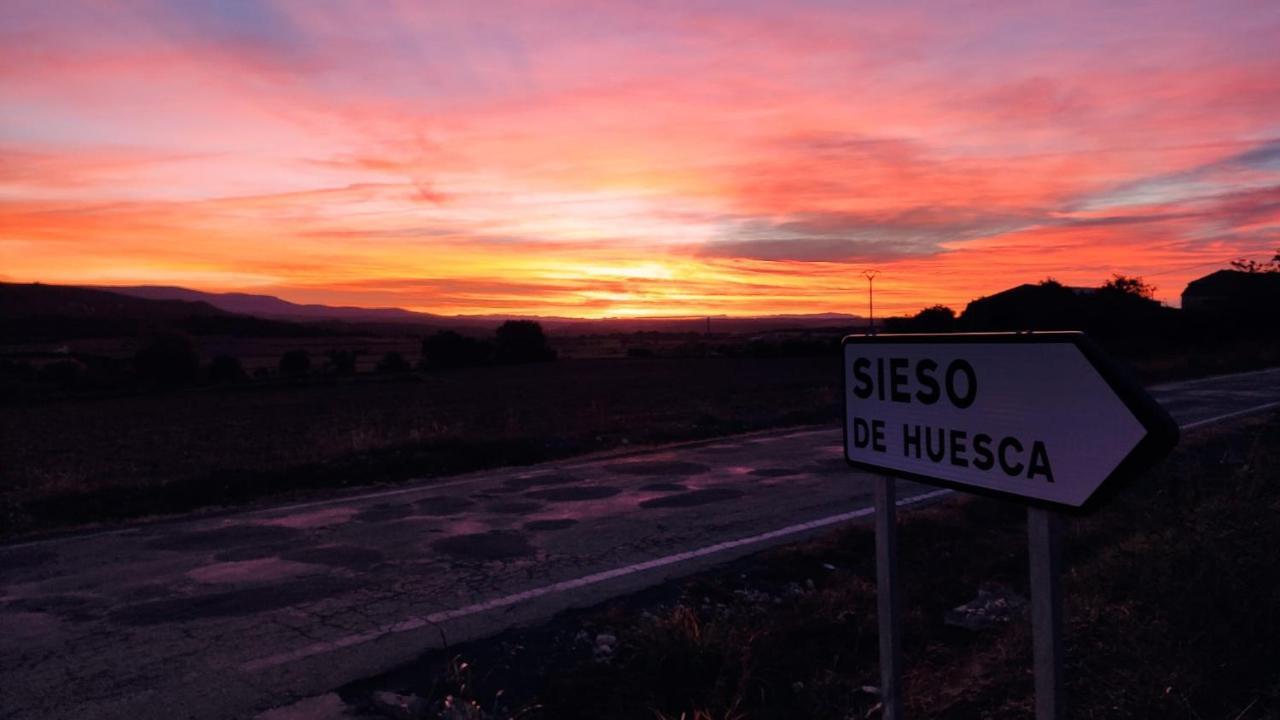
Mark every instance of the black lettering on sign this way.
pixel 958 367
pixel 982 448
pixel 924 376
pixel 861 433
pixel 1010 469
pixel 958 448
pixel 895 381
pixel 941 451
pixel 1039 463
pixel 863 388
pixel 910 439
pixel 898 378
pixel 877 436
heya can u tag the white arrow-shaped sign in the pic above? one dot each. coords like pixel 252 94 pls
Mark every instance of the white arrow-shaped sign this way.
pixel 1040 416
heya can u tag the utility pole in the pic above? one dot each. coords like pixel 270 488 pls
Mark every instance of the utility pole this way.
pixel 870 275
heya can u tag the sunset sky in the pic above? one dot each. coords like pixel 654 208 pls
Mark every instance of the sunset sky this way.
pixel 654 158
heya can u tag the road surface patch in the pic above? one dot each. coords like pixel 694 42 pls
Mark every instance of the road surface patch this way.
pixel 383 512
pixel 75 608
pixel 491 545
pixel 344 556
pixel 515 507
pixel 320 518
pixel 775 472
pixel 524 482
pixel 442 505
pixel 246 571
pixel 693 498
pixel 664 487
pixel 224 538
pixel 233 603
pixel 572 494
pixel 543 525
pixel 252 552
pixel 662 468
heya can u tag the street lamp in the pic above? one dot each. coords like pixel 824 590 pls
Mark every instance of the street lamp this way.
pixel 870 275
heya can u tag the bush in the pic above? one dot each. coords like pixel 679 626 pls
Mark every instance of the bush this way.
pixel 168 358
pixel 342 362
pixel 393 362
pixel 935 319
pixel 448 349
pixel 522 341
pixel 295 363
pixel 225 368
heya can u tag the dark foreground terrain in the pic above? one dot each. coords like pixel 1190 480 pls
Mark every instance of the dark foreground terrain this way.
pixel 1172 599
pixel 237 613
pixel 76 460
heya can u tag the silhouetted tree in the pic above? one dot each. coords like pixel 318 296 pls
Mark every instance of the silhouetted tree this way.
pixel 448 349
pixel 1253 266
pixel 393 362
pixel 295 363
pixel 343 362
pixel 934 319
pixel 522 341
pixel 167 358
pixel 225 368
pixel 1129 285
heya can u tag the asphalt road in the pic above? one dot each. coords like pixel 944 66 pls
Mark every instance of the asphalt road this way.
pixel 228 616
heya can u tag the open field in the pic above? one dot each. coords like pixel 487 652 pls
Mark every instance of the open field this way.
pixel 75 458
pixel 1171 600
pixel 83 459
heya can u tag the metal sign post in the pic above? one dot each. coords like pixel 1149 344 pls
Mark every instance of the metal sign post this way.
pixel 887 598
pixel 1045 419
pixel 1044 540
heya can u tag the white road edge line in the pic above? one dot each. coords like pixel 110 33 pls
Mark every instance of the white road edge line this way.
pixel 1230 415
pixel 442 616
pixel 1179 384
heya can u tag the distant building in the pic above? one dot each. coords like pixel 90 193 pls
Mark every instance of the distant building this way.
pixel 1233 291
pixel 1051 305
pixel 1041 306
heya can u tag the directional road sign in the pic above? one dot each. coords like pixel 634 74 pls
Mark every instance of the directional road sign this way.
pixel 1043 417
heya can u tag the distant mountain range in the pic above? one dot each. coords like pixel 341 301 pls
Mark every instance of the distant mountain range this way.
pixel 270 306
pixel 58 312
pixel 48 311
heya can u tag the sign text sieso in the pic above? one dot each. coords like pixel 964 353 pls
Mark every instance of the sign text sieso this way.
pixel 925 381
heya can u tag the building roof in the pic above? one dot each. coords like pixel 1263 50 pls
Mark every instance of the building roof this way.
pixel 1235 283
